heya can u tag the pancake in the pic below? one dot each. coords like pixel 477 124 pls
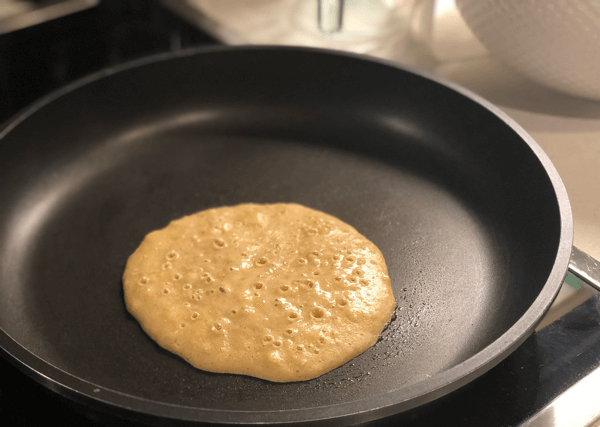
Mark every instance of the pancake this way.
pixel 280 292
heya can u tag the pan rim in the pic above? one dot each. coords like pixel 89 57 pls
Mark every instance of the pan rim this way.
pixel 362 410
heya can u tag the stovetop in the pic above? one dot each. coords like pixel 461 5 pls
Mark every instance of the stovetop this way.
pixel 39 59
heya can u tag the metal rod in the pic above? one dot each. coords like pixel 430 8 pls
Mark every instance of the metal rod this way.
pixel 330 15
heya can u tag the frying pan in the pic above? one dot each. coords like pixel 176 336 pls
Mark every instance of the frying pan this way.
pixel 470 214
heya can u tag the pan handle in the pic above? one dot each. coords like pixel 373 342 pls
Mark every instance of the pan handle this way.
pixel 583 267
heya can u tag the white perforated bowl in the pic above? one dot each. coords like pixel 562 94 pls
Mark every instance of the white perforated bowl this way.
pixel 555 42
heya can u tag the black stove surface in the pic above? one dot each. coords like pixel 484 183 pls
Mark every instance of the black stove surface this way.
pixel 37 60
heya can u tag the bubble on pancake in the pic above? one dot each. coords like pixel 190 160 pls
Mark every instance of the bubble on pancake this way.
pixel 280 292
pixel 318 312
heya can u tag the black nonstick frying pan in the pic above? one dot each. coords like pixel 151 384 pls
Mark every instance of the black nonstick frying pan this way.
pixel 471 216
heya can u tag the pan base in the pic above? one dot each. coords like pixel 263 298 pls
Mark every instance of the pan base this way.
pixel 73 230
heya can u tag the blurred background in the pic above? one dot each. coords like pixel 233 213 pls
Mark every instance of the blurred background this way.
pixel 538 61
pixel 509 51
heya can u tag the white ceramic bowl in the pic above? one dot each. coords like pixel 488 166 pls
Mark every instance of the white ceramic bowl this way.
pixel 555 42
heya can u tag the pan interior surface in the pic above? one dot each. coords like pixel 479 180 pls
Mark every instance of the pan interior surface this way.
pixel 458 203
